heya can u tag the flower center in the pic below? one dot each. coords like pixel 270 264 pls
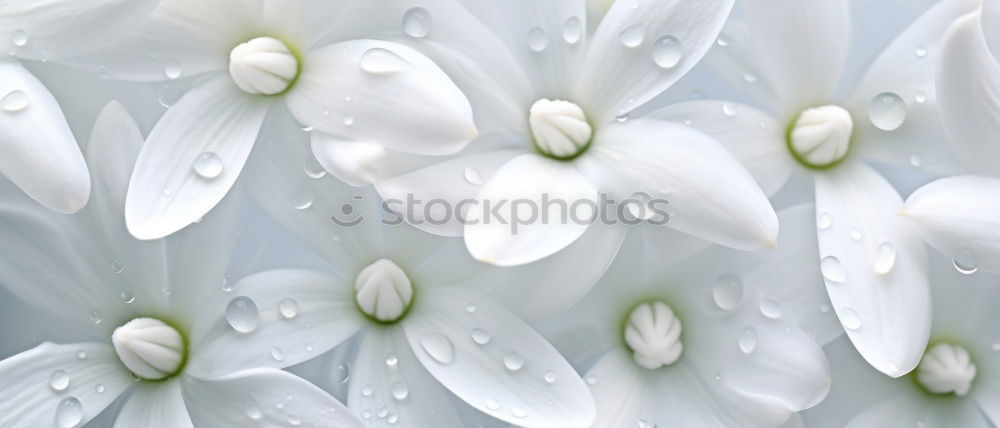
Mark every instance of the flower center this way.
pixel 559 128
pixel 653 333
pixel 821 136
pixel 263 66
pixel 150 348
pixel 383 292
pixel 947 369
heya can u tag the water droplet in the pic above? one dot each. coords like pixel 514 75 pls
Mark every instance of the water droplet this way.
pixel 81 354
pixel 885 258
pixel 770 308
pixel 391 360
pixel 518 412
pixel 473 176
pixel 850 319
pixel 382 61
pixel 832 269
pixel 172 69
pixel 277 354
pixel 856 234
pixel 537 39
pixel 288 308
pixel 642 423
pixel 69 413
pixel 920 51
pixel 343 373
pixel 591 379
pixel 729 109
pixel 824 308
pixel 667 52
pixel 549 377
pixel 16 100
pixel 96 317
pixel 128 296
pixel 367 391
pixel 99 388
pixel 632 36
pixel 207 165
pixel 417 22
pixel 470 308
pixel 965 262
pixel 492 404
pixel 313 168
pixel 480 336
pixel 728 292
pixel 399 391
pixel 749 78
pixel 294 420
pixel 722 41
pixel 915 161
pixel 59 380
pixel 622 118
pixel 348 120
pixel 824 221
pixel 572 30
pixel 748 340
pixel 301 198
pixel 920 97
pixel 117 266
pixel 887 111
pixel 252 410
pixel 242 314
pixel 19 38
pixel 439 347
pixel 513 362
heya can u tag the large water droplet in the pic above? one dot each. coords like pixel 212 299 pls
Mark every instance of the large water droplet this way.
pixel 730 109
pixel 301 198
pixel 172 69
pixel 207 165
pixel 128 296
pixel 824 221
pixel 667 52
pixel 537 39
pixel 69 413
pixel 832 269
pixel 885 258
pixel 288 308
pixel 549 377
pixel 887 111
pixel 513 361
pixel 632 36
pixel 728 291
pixel 391 360
pixel 572 30
pixel 480 336
pixel 19 38
pixel 16 100
pixel 313 168
pixel 242 314
pixel 59 380
pixel 399 390
pixel 277 354
pixel 965 262
pixel 850 319
pixel 439 347
pixel 770 308
pixel 382 61
pixel 748 340
pixel 417 22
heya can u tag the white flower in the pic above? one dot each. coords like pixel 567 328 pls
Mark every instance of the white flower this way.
pixel 40 154
pixel 720 338
pixel 140 324
pixel 790 58
pixel 956 384
pixel 252 57
pixel 415 306
pixel 553 102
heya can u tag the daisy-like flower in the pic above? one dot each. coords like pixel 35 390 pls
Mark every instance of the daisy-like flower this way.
pixel 721 338
pixel 553 102
pixel 827 126
pixel 40 153
pixel 251 57
pixel 956 384
pixel 409 299
pixel 136 324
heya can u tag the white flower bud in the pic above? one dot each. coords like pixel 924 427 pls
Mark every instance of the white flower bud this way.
pixel 947 369
pixel 654 335
pixel 383 291
pixel 821 136
pixel 263 66
pixel 149 348
pixel 560 128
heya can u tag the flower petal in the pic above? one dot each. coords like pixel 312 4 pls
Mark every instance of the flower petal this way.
pixel 710 195
pixel 958 215
pixel 387 375
pixel 754 137
pixel 621 71
pixel 620 392
pixel 27 399
pixel 504 377
pixel 874 266
pixel 192 157
pixel 155 404
pixel 360 164
pixel 382 79
pixel 254 395
pixel 987 396
pixel 968 89
pixel 64 28
pixel 288 300
pixel 40 154
pixel 561 209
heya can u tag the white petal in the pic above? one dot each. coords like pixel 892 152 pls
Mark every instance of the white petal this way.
pixel 348 89
pixel 800 47
pixel 360 164
pixel 505 377
pixel 63 28
pixel 987 396
pixel 968 88
pixel 960 217
pixel 878 284
pixel 709 194
pixel 620 392
pixel 915 410
pixel 616 78
pixel 519 219
pixel 40 154
pixel 155 404
pixel 387 375
pixel 27 399
pixel 252 397
pixel 288 301
pixel 734 64
pixel 756 138
pixel 214 127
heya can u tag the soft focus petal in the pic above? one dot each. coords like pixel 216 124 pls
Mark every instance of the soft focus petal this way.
pixel 27 399
pixel 874 266
pixel 40 154
pixel 348 90
pixel 360 164
pixel 530 209
pixel 709 194
pixel 624 67
pixel 254 396
pixel 987 396
pixel 155 404
pixel 960 217
pixel 620 392
pixel 192 157
pixel 504 377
